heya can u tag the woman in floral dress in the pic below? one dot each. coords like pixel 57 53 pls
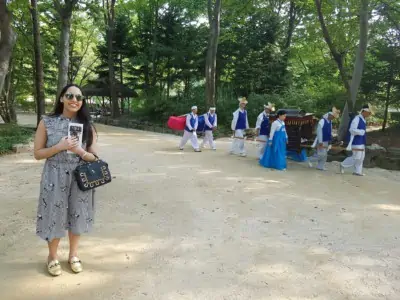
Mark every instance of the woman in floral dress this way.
pixel 62 205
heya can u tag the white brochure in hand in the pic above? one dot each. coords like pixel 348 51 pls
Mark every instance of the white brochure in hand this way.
pixel 75 130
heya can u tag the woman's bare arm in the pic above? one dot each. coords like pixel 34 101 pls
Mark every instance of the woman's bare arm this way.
pixel 40 150
pixel 91 152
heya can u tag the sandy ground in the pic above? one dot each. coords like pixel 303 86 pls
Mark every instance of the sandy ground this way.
pixel 184 225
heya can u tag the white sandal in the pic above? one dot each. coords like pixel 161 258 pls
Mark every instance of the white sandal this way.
pixel 54 268
pixel 76 264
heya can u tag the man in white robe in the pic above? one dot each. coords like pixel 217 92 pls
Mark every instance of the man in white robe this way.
pixel 323 139
pixel 239 126
pixel 190 131
pixel 262 128
pixel 358 141
pixel 210 120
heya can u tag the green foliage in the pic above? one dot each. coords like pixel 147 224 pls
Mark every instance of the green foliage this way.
pixel 160 48
pixel 249 54
pixel 11 135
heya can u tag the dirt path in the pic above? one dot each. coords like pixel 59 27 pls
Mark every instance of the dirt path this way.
pixel 184 225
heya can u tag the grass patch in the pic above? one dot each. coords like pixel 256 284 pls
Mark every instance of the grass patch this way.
pixel 11 134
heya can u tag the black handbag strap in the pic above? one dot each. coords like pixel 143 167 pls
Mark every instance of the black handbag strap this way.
pixel 82 161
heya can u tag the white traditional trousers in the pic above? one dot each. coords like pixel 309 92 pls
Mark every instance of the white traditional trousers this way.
pixel 262 145
pixel 356 161
pixel 192 136
pixel 208 138
pixel 321 156
pixel 238 143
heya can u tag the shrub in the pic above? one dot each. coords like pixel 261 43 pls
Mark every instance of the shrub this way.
pixel 11 135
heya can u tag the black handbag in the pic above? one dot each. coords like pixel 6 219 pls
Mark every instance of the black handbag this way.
pixel 90 175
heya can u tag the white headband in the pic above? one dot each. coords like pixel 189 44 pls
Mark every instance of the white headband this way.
pixel 212 108
pixel 194 107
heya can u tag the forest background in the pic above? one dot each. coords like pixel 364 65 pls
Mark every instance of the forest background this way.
pixel 305 54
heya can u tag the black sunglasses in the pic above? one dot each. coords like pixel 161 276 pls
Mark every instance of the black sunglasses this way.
pixel 71 96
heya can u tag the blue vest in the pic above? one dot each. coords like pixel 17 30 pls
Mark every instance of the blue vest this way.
pixel 211 119
pixel 241 122
pixel 192 123
pixel 327 131
pixel 360 139
pixel 264 130
pixel 351 117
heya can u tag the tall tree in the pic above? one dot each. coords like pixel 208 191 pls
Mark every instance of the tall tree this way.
pixel 214 20
pixel 110 23
pixel 7 98
pixel 353 86
pixel 7 41
pixel 65 13
pixel 39 81
pixel 293 15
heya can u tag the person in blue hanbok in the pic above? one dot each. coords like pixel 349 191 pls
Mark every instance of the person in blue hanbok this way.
pixel 275 155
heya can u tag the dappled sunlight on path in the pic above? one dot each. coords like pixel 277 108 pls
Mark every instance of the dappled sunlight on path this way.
pixel 183 225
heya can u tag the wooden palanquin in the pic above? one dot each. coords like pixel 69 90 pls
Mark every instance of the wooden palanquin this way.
pixel 299 127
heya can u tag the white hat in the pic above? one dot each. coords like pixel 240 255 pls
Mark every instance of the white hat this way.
pixel 243 100
pixel 335 112
pixel 270 106
pixel 368 108
pixel 212 108
pixel 194 107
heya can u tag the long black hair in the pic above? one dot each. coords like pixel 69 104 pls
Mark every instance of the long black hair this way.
pixel 83 115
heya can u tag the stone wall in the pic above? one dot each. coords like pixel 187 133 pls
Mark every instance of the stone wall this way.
pixel 375 156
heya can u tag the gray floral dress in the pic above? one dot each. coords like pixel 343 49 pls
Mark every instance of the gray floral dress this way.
pixel 62 205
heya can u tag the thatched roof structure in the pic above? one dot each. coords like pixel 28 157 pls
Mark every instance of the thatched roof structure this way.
pixel 101 88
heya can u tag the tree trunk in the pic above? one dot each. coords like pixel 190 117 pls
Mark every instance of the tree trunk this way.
pixel 7 41
pixel 121 79
pixel 293 9
pixel 63 61
pixel 291 27
pixel 358 69
pixel 111 71
pixel 154 51
pixel 214 17
pixel 11 99
pixel 338 57
pixel 65 14
pixel 187 86
pixel 168 77
pixel 146 72
pixel 387 100
pixel 39 81
pixel 7 109
pixel 385 115
pixel 351 88
pixel 71 71
pixel 121 73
